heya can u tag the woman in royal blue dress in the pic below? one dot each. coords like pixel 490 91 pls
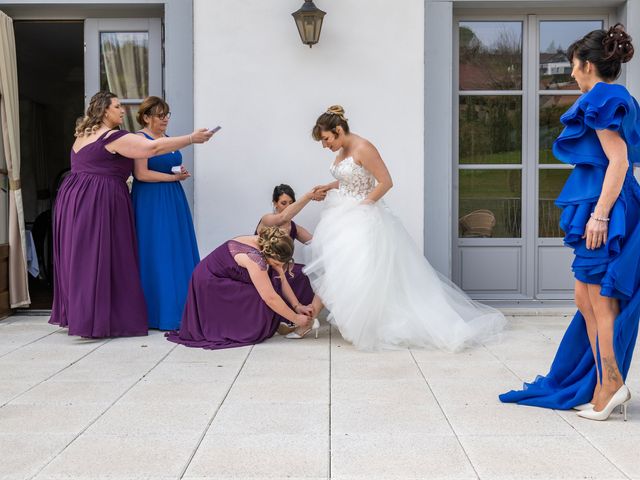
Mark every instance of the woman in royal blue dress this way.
pixel 166 239
pixel 601 221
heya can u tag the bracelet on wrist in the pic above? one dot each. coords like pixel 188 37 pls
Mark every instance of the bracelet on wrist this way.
pixel 599 219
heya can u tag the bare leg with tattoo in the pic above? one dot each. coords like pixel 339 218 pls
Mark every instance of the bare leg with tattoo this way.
pixel 606 310
pixel 583 302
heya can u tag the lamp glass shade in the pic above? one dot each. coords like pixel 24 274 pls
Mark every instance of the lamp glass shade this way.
pixel 309 22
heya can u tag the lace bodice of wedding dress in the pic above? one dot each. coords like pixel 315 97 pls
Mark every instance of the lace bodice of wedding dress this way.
pixel 355 180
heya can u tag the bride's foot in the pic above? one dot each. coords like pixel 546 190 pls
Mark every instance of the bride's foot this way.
pixel 285 328
pixel 301 332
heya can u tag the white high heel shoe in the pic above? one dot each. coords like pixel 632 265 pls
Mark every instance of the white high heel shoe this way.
pixel 584 406
pixel 620 399
pixel 297 336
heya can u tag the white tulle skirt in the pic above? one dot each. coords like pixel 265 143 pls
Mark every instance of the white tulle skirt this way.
pixel 380 290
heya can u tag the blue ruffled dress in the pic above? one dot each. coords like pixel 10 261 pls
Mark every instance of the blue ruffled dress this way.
pixel 616 265
pixel 166 243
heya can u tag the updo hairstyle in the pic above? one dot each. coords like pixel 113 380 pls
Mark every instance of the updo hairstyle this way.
pixel 606 49
pixel 329 121
pixel 94 115
pixel 283 189
pixel 274 243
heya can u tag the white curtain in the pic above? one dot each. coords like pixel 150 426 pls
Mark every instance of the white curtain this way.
pixel 9 117
pixel 125 57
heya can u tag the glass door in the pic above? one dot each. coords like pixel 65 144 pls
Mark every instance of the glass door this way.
pixel 554 92
pixel 124 56
pixel 491 228
pixel 513 83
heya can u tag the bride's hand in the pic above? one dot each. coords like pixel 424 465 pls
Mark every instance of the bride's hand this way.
pixel 319 192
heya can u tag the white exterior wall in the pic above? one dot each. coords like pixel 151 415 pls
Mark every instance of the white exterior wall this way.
pixel 255 78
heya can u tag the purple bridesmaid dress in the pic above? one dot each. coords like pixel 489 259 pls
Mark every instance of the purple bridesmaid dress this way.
pixel 97 291
pixel 223 308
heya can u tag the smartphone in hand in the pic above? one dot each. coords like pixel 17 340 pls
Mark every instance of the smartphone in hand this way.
pixel 214 130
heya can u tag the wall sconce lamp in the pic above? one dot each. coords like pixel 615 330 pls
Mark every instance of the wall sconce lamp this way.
pixel 309 22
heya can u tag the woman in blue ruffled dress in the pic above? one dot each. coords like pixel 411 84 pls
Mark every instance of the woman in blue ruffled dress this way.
pixel 166 238
pixel 601 221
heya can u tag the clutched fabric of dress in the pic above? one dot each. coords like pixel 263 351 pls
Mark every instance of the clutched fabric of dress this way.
pixel 616 265
pixel 379 289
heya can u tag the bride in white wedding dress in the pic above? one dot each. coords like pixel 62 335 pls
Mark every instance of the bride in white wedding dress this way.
pixel 379 289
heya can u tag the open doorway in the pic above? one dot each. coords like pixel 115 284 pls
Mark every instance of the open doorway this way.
pixel 50 58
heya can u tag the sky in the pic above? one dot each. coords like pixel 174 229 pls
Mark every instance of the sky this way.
pixel 561 33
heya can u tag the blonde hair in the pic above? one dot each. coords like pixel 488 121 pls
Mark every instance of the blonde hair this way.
pixel 94 116
pixel 329 121
pixel 274 243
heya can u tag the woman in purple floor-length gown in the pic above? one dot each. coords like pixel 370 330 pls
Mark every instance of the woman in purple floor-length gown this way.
pixel 97 290
pixel 234 299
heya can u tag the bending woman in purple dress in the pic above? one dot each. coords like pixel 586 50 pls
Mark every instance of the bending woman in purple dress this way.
pixel 234 300
pixel 97 290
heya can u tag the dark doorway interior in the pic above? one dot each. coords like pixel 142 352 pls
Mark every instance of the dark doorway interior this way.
pixel 50 57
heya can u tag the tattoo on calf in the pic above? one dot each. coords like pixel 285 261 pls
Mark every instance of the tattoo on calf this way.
pixel 611 368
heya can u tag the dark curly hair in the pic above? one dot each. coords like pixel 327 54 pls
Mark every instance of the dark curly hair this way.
pixel 607 50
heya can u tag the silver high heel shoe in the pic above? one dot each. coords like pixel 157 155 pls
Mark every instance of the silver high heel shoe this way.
pixel 315 326
pixel 620 399
pixel 584 406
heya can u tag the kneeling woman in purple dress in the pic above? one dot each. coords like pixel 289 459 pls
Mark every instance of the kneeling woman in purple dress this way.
pixel 234 300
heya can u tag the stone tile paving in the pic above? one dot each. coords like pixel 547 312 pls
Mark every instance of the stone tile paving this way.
pixel 144 408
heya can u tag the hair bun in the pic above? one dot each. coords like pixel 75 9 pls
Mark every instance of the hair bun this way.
pixel 617 44
pixel 336 110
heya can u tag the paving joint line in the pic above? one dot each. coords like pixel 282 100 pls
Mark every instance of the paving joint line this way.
pixel 56 373
pixel 104 411
pixel 464 450
pixel 556 412
pixel 330 390
pixel 213 417
pixel 29 343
